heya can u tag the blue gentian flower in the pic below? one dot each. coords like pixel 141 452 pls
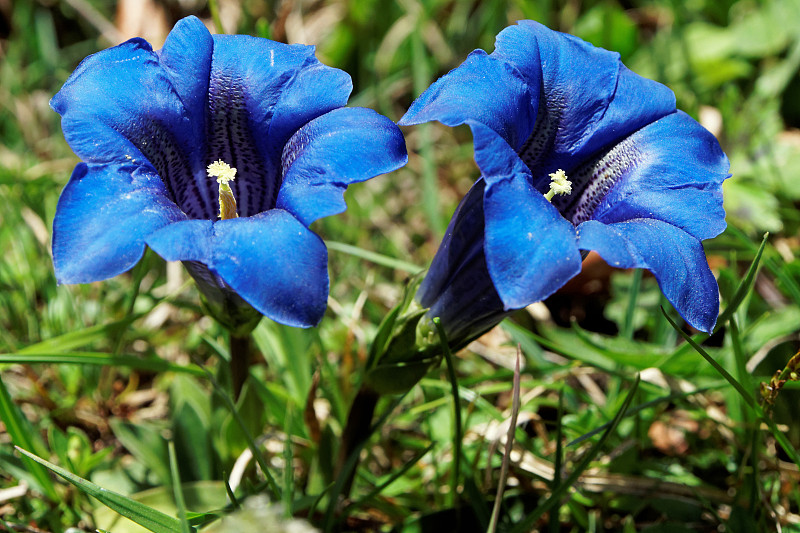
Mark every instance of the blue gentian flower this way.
pixel 576 153
pixel 237 127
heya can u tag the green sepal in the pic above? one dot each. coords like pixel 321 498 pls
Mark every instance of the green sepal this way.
pixel 404 348
pixel 400 377
pixel 238 317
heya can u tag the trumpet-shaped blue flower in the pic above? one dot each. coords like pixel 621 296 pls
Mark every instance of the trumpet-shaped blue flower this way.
pixel 237 127
pixel 576 153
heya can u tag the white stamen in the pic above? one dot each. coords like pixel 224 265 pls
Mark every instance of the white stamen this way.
pixel 559 184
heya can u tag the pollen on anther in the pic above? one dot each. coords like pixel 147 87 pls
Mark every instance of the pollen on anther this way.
pixel 222 171
pixel 227 202
pixel 559 184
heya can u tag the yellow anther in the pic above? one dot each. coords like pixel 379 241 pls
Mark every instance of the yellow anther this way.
pixel 559 184
pixel 224 174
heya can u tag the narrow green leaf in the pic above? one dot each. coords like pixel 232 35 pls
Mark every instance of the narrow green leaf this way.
pixel 744 286
pixel 21 433
pixel 558 463
pixel 776 432
pixel 391 479
pixel 558 493
pixel 99 358
pixel 177 490
pixel 638 409
pixel 373 257
pixel 275 492
pixel 76 339
pixel 145 516
pixel 214 8
pixel 627 325
pixel 288 461
pixel 724 373
pixel 458 432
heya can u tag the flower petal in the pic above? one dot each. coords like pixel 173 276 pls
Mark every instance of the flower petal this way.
pixel 120 106
pixel 271 260
pixel 676 176
pixel 530 248
pixel 457 287
pixel 590 100
pixel 186 59
pixel 462 240
pixel 103 217
pixel 259 94
pixel 314 91
pixel 482 90
pixel 329 153
pixel 184 240
pixel 675 258
pixel 115 100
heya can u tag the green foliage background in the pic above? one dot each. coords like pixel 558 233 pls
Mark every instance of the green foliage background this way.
pixel 98 378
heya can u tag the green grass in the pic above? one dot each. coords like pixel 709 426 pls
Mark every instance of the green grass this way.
pixel 120 387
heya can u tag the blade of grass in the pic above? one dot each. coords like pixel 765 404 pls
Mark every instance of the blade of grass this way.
pixel 751 474
pixel 344 475
pixel 555 497
pixel 99 358
pixel 744 286
pixel 177 491
pixel 776 432
pixel 515 406
pixel 627 324
pixel 76 339
pixel 394 477
pixel 251 443
pixel 554 524
pixel 214 8
pixel 638 409
pixel 790 285
pixel 373 257
pixel 137 275
pixel 458 432
pixel 420 73
pixel 229 492
pixel 738 297
pixel 145 516
pixel 21 433
pixel 724 373
pixel 288 459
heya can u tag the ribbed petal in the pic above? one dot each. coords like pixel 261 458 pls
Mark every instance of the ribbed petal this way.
pixel 314 91
pixel 260 93
pixel 103 217
pixel 530 248
pixel 589 99
pixel 675 175
pixel 457 287
pixel 185 240
pixel 675 258
pixel 120 106
pixel 484 90
pixel 462 241
pixel 271 260
pixel 186 59
pixel 116 102
pixel 344 146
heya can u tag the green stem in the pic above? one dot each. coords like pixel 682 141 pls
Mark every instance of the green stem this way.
pixel 627 325
pixel 214 8
pixel 240 363
pixel 458 433
pixel 356 432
